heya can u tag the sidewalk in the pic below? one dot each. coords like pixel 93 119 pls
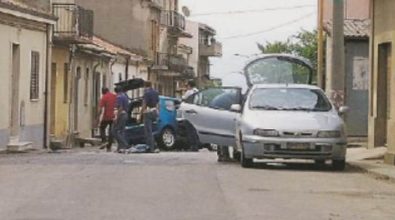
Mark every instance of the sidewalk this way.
pixel 371 161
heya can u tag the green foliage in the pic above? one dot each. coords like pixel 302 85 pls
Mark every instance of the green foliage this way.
pixel 303 44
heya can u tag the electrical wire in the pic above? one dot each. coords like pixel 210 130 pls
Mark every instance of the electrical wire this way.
pixel 269 29
pixel 253 10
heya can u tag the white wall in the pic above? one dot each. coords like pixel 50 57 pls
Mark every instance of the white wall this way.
pixel 28 41
pixel 192 28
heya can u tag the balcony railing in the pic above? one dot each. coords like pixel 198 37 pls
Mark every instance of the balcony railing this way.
pixel 173 19
pixel 74 22
pixel 172 62
pixel 212 50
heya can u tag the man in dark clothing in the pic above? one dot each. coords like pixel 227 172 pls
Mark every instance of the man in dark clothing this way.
pixel 107 105
pixel 150 112
pixel 122 104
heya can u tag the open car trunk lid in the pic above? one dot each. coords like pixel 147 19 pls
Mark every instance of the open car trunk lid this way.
pixel 278 69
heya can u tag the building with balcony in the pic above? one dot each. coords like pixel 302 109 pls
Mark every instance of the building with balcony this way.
pixel 198 50
pixel 131 24
pixel 80 68
pixel 74 25
pixel 208 47
pixel 25 42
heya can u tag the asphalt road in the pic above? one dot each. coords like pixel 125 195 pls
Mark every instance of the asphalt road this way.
pixel 182 186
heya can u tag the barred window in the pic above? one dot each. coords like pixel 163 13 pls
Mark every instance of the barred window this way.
pixel 34 75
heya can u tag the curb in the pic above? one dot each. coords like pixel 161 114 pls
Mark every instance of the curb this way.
pixel 366 167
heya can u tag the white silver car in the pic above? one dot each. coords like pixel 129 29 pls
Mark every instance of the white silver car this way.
pixel 271 121
pixel 290 121
pixel 280 116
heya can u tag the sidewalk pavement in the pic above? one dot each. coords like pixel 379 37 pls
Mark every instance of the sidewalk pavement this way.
pixel 371 161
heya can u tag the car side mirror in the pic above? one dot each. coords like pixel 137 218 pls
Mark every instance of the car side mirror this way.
pixel 235 108
pixel 343 110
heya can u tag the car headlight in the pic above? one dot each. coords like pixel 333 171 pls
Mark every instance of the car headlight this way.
pixel 266 132
pixel 329 134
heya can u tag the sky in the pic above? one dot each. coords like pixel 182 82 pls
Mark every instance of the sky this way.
pixel 266 20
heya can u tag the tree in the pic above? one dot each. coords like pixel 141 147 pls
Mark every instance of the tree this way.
pixel 303 44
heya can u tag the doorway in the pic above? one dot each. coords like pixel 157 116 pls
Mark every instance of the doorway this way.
pixel 383 91
pixel 15 90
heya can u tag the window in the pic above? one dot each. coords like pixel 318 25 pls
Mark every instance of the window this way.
pixel 86 89
pixel 34 75
pixel 66 82
pixel 217 98
pixel 289 99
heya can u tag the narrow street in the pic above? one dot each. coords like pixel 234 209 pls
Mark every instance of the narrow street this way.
pixel 97 185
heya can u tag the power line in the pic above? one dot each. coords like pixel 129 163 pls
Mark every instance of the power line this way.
pixel 252 10
pixel 269 29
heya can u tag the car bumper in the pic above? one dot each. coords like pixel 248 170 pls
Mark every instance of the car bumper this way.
pixel 294 148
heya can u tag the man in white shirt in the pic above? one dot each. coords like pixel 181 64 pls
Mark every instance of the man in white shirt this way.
pixel 193 140
pixel 191 89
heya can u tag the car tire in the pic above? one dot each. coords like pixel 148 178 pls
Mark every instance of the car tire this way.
pixel 246 162
pixel 167 139
pixel 339 165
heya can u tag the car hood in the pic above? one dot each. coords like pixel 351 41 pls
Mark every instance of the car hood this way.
pixel 293 120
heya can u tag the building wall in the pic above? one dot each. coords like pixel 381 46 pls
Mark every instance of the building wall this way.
pixel 353 9
pixel 193 29
pixel 130 25
pixel 383 32
pixel 32 114
pixel 87 105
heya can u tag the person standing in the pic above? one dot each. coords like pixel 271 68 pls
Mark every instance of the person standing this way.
pixel 121 117
pixel 193 139
pixel 150 112
pixel 106 112
pixel 191 89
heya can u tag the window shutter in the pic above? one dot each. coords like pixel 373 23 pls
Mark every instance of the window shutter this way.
pixel 34 76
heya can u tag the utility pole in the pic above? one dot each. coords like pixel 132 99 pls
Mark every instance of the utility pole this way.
pixel 337 79
pixel 320 42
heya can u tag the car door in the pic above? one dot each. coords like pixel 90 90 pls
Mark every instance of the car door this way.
pixel 209 112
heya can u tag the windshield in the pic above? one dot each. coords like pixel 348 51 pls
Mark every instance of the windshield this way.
pixel 278 70
pixel 289 99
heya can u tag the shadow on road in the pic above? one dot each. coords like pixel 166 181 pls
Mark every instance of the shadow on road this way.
pixel 296 165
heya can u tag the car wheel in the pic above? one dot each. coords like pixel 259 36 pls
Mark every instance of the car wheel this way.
pixel 339 164
pixel 246 162
pixel 167 140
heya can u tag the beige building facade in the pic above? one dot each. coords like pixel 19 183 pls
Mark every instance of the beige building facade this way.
pixel 25 28
pixel 382 88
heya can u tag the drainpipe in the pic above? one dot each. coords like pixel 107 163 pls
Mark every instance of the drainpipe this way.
pixel 94 108
pixel 70 135
pixel 48 77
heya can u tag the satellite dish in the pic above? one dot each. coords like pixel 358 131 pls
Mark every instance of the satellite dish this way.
pixel 186 11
